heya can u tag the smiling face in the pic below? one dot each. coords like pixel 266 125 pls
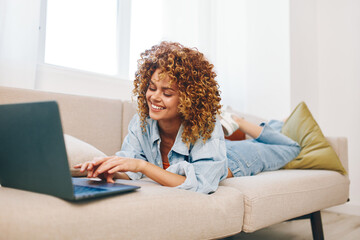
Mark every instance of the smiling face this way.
pixel 163 99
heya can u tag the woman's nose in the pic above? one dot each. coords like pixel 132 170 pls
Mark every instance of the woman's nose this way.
pixel 156 96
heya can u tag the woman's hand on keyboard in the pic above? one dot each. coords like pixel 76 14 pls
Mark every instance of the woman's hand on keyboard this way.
pixel 108 168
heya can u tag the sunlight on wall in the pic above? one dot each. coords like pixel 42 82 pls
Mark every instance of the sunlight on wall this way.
pixel 146 29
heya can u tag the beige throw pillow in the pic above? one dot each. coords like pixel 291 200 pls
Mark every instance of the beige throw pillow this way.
pixel 79 152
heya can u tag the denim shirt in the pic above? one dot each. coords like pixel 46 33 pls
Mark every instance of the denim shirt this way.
pixel 203 164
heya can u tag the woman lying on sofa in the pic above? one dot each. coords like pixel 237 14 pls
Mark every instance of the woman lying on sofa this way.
pixel 177 138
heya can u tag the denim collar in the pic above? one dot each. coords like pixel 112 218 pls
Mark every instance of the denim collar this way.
pixel 179 146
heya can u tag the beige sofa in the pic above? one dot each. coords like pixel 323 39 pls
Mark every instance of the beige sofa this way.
pixel 156 212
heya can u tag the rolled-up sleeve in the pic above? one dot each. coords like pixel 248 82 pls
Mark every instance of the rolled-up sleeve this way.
pixel 131 148
pixel 206 168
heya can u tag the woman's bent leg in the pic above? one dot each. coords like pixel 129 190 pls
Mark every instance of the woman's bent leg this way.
pixel 249 128
pixel 270 151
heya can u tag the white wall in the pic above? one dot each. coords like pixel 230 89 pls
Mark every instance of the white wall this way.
pixel 252 56
pixel 339 80
pixel 230 55
pixel 19 33
pixel 71 81
pixel 268 59
pixel 303 52
pixel 325 70
pixel 247 41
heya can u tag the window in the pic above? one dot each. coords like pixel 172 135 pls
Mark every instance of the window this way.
pixel 107 36
pixel 82 34
pixel 95 36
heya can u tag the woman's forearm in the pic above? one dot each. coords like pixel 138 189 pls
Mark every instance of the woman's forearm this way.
pixel 162 176
pixel 119 165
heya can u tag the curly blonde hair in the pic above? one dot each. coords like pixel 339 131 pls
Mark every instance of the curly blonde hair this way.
pixel 199 95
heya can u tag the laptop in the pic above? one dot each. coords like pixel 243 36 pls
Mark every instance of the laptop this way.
pixel 33 154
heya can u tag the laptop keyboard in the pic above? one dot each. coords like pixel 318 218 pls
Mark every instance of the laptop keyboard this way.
pixel 86 190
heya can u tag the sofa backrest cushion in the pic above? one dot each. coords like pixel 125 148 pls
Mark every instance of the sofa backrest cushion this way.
pixel 129 110
pixel 97 121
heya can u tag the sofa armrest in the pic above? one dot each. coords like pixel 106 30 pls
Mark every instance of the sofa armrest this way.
pixel 340 145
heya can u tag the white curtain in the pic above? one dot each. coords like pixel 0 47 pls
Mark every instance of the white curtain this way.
pixel 19 34
pixel 218 29
pixel 247 41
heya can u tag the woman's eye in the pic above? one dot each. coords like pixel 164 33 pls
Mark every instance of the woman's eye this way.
pixel 167 94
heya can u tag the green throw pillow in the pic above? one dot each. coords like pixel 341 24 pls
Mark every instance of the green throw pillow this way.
pixel 316 152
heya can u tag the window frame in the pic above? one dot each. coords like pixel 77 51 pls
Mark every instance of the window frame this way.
pixel 122 34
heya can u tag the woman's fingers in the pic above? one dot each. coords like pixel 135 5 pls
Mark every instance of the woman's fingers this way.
pixel 118 168
pixel 84 166
pixel 115 164
pixel 90 174
pixel 106 166
pixel 90 164
pixel 99 167
pixel 78 165
pixel 99 160
pixel 109 178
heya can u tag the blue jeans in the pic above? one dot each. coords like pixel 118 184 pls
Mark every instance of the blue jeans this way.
pixel 270 151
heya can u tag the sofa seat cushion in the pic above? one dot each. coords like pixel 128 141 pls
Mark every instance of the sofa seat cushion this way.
pixel 273 197
pixel 153 211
